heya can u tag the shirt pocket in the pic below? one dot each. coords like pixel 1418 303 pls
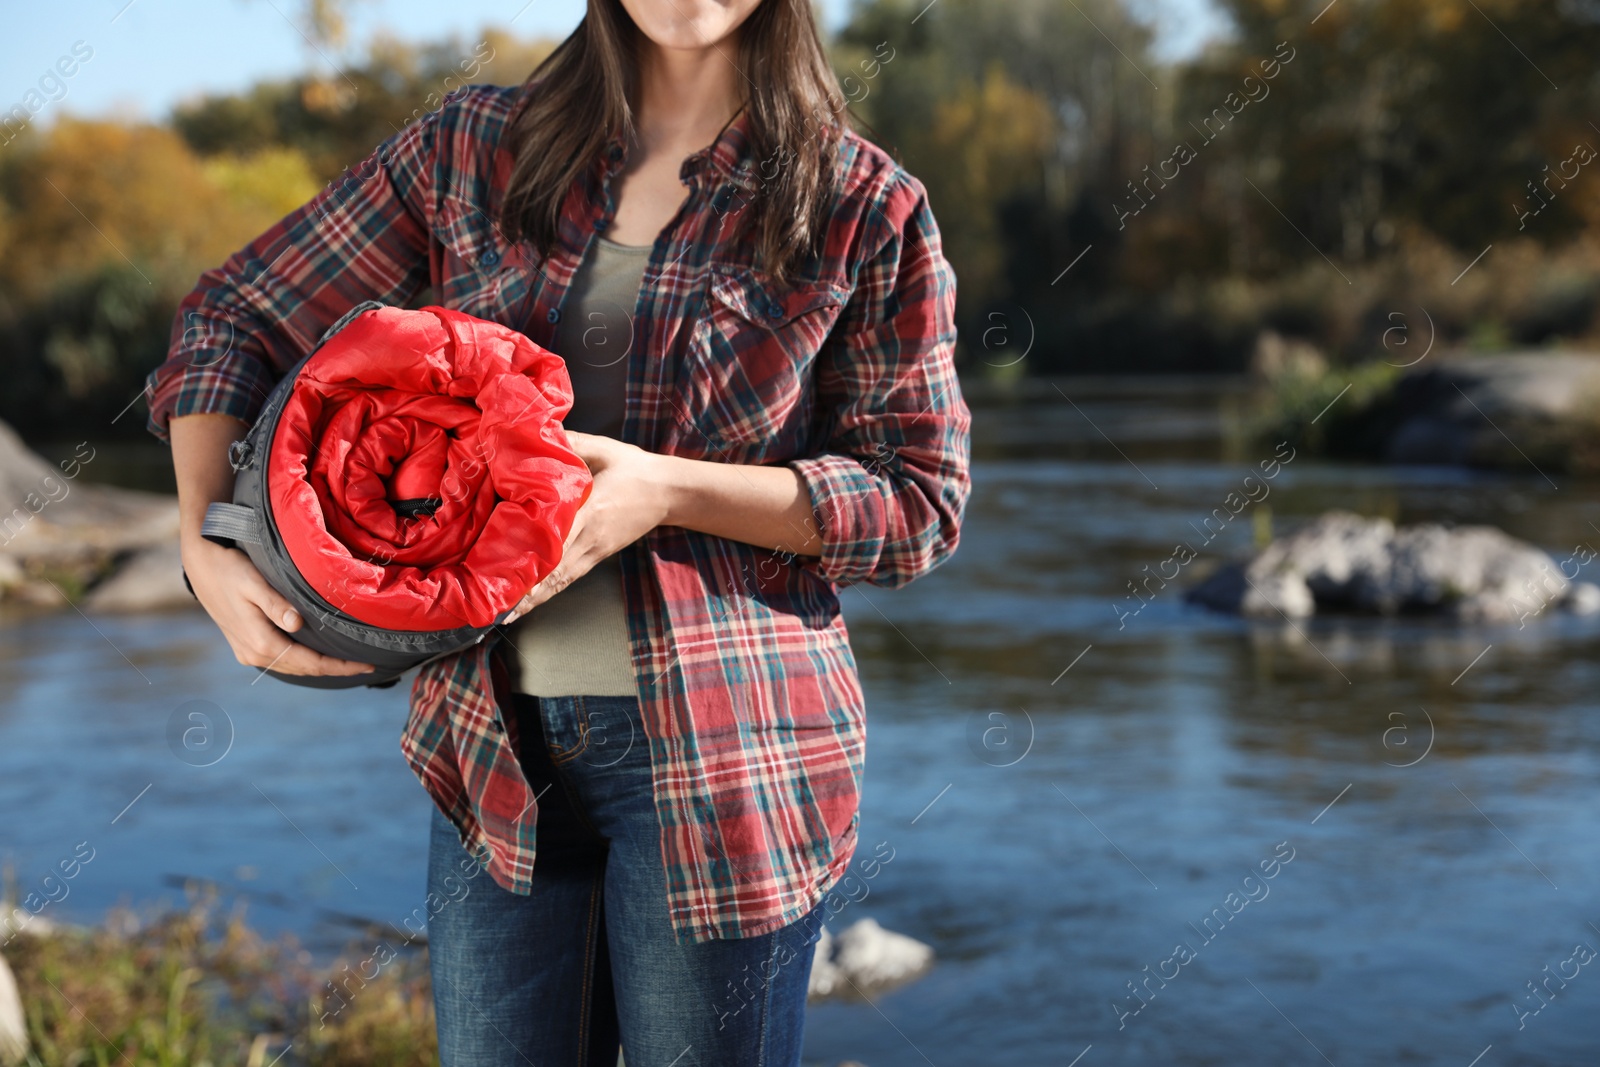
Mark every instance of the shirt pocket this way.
pixel 746 378
pixel 472 273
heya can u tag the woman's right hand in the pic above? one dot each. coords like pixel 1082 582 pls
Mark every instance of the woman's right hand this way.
pixel 253 616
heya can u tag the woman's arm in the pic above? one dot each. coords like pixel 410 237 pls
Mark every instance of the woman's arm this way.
pixel 635 491
pixel 763 506
pixel 891 482
pixel 249 612
pixel 248 321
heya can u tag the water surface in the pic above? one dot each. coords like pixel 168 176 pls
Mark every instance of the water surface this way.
pixel 1055 831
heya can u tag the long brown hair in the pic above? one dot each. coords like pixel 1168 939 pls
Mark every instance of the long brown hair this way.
pixel 590 81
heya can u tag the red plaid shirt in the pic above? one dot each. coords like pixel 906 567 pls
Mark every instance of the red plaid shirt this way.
pixel 752 706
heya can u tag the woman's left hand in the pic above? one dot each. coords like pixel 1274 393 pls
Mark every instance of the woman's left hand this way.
pixel 629 499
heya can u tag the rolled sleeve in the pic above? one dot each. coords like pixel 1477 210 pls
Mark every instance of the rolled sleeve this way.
pixel 246 323
pixel 890 484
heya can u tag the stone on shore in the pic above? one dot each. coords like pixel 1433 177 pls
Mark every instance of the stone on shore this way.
pixel 1343 560
pixel 1495 410
pixel 20 922
pixel 151 580
pixel 13 1027
pixel 60 534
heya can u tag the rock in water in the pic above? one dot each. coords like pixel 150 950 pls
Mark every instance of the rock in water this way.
pixel 13 1028
pixel 865 959
pixel 1471 573
pixel 1583 599
pixel 826 978
pixel 874 958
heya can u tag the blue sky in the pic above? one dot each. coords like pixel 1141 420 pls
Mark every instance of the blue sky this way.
pixel 150 54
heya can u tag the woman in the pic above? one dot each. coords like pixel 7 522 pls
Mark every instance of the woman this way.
pixel 757 316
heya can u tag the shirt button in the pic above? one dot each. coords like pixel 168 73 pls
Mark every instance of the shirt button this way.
pixel 490 258
pixel 775 310
pixel 553 315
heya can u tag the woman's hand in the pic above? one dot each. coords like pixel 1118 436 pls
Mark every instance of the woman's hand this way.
pixel 629 499
pixel 249 612
pixel 252 615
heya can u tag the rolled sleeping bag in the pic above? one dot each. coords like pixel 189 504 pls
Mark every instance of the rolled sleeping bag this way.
pixel 405 485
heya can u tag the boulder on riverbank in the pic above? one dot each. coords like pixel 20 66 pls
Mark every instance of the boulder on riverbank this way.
pixel 13 1027
pixel 148 580
pixel 1501 410
pixel 1346 561
pixel 62 536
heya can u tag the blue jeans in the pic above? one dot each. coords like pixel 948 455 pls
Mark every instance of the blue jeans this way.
pixel 589 960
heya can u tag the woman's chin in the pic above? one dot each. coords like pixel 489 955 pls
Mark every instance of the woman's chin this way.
pixel 689 25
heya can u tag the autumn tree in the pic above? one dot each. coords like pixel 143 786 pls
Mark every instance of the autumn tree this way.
pixel 1022 117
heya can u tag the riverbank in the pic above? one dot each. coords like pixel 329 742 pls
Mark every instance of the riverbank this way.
pixel 1529 410
pixel 200 987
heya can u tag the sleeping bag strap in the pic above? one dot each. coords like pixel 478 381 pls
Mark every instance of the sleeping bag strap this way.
pixel 230 525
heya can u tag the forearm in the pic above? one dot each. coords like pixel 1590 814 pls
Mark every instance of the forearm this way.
pixel 200 460
pixel 765 506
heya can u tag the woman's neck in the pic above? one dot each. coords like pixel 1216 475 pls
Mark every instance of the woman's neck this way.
pixel 686 96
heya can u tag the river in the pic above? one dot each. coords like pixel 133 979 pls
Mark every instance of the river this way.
pixel 1069 794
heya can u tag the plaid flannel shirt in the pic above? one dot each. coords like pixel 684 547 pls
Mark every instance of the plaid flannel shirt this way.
pixel 753 709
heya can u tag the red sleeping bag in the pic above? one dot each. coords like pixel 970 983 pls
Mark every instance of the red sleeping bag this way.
pixel 419 475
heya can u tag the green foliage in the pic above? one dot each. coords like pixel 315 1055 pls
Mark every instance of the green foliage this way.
pixel 1406 111
pixel 80 355
pixel 1021 117
pixel 105 226
pixel 335 122
pixel 1391 143
pixel 1330 411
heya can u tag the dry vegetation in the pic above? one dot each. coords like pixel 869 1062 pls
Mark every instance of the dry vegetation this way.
pixel 198 988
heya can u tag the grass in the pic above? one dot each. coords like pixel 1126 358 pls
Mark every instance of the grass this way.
pixel 1338 411
pixel 194 988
